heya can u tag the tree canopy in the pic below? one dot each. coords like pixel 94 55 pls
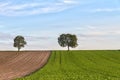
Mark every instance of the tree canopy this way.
pixel 19 42
pixel 68 40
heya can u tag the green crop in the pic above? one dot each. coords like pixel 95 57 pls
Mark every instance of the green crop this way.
pixel 80 65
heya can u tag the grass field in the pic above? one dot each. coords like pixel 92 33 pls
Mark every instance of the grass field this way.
pixel 80 65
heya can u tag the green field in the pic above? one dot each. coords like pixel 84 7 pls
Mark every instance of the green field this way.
pixel 80 65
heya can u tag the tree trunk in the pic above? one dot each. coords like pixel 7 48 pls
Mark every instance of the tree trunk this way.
pixel 18 49
pixel 68 48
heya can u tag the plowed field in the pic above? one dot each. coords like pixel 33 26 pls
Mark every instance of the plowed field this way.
pixel 14 65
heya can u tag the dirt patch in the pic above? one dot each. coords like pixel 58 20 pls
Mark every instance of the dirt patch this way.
pixel 13 65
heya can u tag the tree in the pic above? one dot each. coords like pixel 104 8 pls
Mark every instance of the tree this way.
pixel 19 42
pixel 68 40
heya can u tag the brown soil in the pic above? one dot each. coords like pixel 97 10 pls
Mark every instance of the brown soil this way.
pixel 14 65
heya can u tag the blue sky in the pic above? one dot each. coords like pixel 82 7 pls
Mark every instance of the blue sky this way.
pixel 95 22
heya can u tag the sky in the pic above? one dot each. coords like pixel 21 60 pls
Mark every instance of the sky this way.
pixel 95 22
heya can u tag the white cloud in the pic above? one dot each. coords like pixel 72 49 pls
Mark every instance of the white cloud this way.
pixel 91 27
pixel 86 28
pixel 36 38
pixel 97 31
pixel 70 1
pixel 100 34
pixel 105 10
pixel 31 8
pixel 22 6
pixel 3 4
